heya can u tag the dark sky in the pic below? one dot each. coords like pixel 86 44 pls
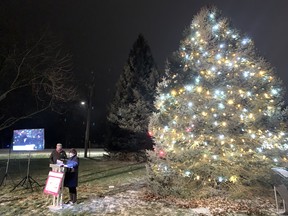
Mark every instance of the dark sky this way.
pixel 100 33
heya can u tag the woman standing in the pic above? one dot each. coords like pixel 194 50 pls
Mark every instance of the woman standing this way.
pixel 71 175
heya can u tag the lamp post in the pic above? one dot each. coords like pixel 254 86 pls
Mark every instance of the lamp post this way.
pixel 87 130
pixel 88 119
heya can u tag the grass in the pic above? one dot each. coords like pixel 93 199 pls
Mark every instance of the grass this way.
pixel 95 177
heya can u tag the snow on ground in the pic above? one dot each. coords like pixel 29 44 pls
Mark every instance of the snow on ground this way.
pixel 128 203
pixel 131 199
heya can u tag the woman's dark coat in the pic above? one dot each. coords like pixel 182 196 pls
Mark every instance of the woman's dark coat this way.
pixel 71 175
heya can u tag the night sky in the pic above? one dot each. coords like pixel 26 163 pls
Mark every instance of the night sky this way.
pixel 100 33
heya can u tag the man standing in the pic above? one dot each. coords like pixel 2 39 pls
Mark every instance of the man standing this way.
pixel 57 154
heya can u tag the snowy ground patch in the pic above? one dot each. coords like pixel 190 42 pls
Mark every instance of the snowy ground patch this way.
pixel 128 203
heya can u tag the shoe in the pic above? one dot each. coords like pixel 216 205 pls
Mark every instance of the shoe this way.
pixel 69 202
pixel 74 198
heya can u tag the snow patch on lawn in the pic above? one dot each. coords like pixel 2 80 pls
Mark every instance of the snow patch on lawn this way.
pixel 128 203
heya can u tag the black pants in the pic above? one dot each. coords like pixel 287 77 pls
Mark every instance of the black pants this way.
pixel 72 190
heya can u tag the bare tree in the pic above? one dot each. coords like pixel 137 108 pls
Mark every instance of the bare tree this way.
pixel 34 76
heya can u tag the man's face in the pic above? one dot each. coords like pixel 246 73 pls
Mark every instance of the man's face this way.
pixel 58 147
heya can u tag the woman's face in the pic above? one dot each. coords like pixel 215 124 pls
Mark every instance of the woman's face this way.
pixel 71 154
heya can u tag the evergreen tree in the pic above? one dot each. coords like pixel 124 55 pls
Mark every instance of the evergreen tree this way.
pixel 219 122
pixel 133 100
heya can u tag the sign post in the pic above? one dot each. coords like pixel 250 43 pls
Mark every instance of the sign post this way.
pixel 280 181
pixel 54 185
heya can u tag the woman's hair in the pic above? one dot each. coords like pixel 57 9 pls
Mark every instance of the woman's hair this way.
pixel 73 151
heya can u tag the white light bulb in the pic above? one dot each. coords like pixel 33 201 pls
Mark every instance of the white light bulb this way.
pixel 274 91
pixel 187 173
pixel 245 41
pixel 215 27
pixel 188 88
pixel 221 106
pixel 218 56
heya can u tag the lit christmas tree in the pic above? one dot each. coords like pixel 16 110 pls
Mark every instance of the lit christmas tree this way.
pixel 220 121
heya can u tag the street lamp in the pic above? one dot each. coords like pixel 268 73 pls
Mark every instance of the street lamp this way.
pixel 87 129
pixel 88 119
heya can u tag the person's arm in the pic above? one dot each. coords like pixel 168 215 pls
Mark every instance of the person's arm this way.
pixel 65 155
pixel 51 158
pixel 72 164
